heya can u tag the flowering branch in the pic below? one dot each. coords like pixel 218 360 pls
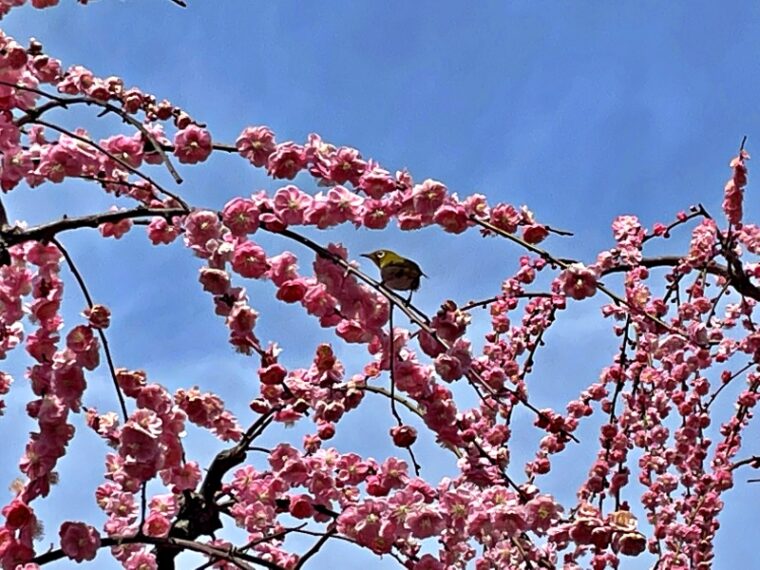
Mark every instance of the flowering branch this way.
pixel 17 235
pixel 233 556
pixel 56 101
pixel 101 333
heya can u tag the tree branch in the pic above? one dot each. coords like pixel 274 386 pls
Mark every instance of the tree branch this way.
pixel 101 333
pixel 179 544
pixel 48 231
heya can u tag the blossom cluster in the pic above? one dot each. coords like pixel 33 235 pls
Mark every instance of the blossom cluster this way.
pixel 678 349
pixel 397 513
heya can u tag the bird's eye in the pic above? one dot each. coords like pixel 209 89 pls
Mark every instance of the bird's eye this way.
pixel 380 254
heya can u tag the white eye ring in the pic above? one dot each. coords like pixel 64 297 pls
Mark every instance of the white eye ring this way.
pixel 380 254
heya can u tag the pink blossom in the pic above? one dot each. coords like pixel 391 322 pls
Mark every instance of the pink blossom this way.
pixel 535 233
pixel 16 165
pixel 160 231
pixel 241 216
pixel 428 562
pixel 127 149
pixel 338 206
pixel 183 478
pixel 141 560
pixel 353 331
pixel 293 290
pixel 256 144
pixel 69 385
pixel 99 316
pixel 377 182
pixel 192 144
pixel 413 378
pixel 321 304
pixel 70 157
pixel 201 227
pixel 578 281
pixel 286 160
pixel 452 217
pixel 272 375
pixel 18 514
pixel 290 203
pixel 165 504
pixel 301 507
pixel 703 243
pixel 131 382
pixel 207 410
pixel 79 541
pixel 542 512
pixel 249 260
pixel 428 197
pixel 282 268
pixel 242 318
pixel 630 543
pixel 345 204
pixel 734 189
pixel 376 214
pixel 455 362
pixel 403 436
pixel 424 521
pixel 80 339
pixel 132 100
pixel 506 217
pixel 14 553
pixel 215 281
pixel 157 525
pixel 346 165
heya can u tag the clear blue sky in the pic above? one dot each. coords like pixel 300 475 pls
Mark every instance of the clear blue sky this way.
pixel 581 110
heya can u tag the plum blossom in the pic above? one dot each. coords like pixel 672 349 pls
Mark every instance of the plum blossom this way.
pixel 578 281
pixel 192 145
pixel 79 541
pixel 256 144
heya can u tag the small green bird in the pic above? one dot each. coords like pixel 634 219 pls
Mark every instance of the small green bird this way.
pixel 396 272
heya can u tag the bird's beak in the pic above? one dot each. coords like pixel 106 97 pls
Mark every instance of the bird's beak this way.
pixel 367 255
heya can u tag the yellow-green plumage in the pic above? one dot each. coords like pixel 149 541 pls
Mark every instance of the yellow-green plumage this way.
pixel 396 272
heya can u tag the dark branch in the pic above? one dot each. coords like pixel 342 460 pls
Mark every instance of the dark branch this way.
pixel 233 556
pixel 103 339
pixel 45 232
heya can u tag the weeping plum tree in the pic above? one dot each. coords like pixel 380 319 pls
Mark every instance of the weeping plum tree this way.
pixel 684 324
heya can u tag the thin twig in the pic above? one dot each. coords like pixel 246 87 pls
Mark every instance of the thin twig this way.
pixel 122 163
pixel 720 388
pixel 315 548
pixel 394 411
pixel 564 264
pixel 64 102
pixel 101 333
pixel 694 212
pixel 400 399
pixel 485 302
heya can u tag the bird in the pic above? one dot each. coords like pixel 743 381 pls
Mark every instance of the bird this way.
pixel 396 272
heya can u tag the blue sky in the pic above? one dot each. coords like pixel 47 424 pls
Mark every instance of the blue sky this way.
pixel 582 111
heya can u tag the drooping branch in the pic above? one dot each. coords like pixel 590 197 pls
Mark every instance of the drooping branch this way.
pixel 694 212
pixel 116 159
pixel 101 333
pixel 57 101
